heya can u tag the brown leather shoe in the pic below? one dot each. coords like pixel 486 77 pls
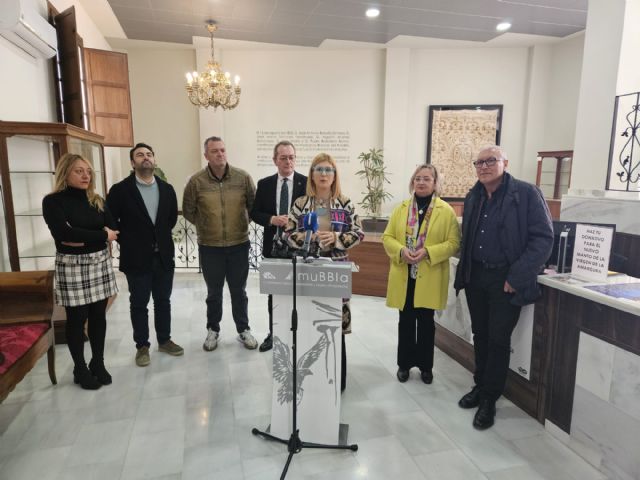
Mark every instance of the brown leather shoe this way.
pixel 142 357
pixel 171 348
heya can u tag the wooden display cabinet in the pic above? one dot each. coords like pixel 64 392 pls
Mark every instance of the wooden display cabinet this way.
pixel 29 153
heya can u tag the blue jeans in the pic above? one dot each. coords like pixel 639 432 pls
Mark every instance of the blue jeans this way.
pixel 159 283
pixel 232 264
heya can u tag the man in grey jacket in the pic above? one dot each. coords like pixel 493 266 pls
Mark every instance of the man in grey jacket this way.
pixel 217 200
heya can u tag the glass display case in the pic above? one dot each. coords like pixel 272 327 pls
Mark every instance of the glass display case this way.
pixel 28 155
pixel 554 173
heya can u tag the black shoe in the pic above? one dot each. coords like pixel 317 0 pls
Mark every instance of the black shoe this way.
pixel 267 344
pixel 471 399
pixel 82 376
pixel 403 375
pixel 426 376
pixel 485 415
pixel 98 371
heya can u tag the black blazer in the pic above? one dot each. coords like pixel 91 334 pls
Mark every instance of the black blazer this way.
pixel 264 206
pixel 138 235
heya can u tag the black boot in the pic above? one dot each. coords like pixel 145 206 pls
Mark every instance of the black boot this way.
pixel 82 376
pixel 426 376
pixel 97 368
pixel 471 399
pixel 485 415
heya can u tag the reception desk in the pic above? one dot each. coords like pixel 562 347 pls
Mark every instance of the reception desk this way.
pixel 584 371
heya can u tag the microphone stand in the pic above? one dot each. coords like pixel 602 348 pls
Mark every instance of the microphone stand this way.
pixel 294 443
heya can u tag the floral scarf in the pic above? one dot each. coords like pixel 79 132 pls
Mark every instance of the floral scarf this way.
pixel 415 239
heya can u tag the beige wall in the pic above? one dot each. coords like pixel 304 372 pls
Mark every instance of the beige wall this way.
pixel 162 115
pixel 380 96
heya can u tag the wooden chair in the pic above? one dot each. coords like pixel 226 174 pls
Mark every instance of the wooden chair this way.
pixel 26 305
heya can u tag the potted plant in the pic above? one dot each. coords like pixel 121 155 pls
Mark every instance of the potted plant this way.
pixel 375 175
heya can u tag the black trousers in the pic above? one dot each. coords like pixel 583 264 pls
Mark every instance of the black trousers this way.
pixel 230 264
pixel 142 285
pixel 493 319
pixel 416 334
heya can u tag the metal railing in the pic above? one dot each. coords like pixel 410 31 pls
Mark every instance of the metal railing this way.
pixel 624 154
pixel 185 240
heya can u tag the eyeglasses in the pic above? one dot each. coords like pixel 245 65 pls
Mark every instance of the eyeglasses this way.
pixel 489 162
pixel 324 170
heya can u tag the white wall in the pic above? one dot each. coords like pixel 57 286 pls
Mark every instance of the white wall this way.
pixel 597 94
pixel 162 115
pixel 302 90
pixel 26 84
pixel 562 98
pixel 468 77
pixel 381 96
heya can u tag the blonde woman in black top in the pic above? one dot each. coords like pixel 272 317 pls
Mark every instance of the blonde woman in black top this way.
pixel 82 226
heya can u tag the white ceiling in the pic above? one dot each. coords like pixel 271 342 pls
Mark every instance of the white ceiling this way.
pixel 312 22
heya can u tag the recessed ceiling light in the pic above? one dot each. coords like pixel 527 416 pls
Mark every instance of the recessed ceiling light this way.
pixel 372 12
pixel 503 26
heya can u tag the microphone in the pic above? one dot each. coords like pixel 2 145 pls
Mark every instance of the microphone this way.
pixel 310 224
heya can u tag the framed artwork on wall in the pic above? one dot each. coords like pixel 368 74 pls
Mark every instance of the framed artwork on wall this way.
pixel 456 133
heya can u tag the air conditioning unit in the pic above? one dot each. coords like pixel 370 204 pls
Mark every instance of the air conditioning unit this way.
pixel 22 25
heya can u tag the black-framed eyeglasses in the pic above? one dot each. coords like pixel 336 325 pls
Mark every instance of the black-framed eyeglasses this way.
pixel 489 162
pixel 324 170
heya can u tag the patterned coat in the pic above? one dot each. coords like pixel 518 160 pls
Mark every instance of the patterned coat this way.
pixel 346 224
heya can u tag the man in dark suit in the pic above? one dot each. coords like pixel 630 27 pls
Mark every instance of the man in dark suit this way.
pixel 146 210
pixel 274 197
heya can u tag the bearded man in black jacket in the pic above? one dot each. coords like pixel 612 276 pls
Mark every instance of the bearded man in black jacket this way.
pixel 145 208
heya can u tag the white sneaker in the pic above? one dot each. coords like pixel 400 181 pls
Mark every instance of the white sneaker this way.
pixel 248 340
pixel 212 340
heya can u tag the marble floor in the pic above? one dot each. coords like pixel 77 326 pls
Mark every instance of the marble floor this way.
pixel 191 417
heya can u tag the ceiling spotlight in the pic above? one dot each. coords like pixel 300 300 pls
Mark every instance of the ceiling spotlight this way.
pixel 503 26
pixel 372 12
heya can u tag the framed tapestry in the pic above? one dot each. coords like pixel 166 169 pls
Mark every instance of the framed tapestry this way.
pixel 456 134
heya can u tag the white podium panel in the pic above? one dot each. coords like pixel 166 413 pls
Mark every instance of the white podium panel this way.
pixel 318 375
pixel 320 287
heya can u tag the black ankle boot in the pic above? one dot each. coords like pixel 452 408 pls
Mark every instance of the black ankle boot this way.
pixel 485 415
pixel 97 368
pixel 82 376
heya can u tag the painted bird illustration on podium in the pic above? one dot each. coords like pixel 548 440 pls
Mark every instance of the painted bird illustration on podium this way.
pixel 283 368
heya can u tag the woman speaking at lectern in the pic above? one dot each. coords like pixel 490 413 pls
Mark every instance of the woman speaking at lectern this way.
pixel 421 235
pixel 339 227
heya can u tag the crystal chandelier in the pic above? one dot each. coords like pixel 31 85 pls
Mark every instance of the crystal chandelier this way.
pixel 212 88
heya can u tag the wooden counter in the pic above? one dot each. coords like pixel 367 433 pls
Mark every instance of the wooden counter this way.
pixel 373 264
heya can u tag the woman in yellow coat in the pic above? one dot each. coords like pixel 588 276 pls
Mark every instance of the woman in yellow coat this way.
pixel 421 235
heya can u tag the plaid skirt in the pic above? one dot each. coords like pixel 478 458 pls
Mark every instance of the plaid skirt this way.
pixel 84 278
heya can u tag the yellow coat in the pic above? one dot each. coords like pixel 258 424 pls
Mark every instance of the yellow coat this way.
pixel 442 241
